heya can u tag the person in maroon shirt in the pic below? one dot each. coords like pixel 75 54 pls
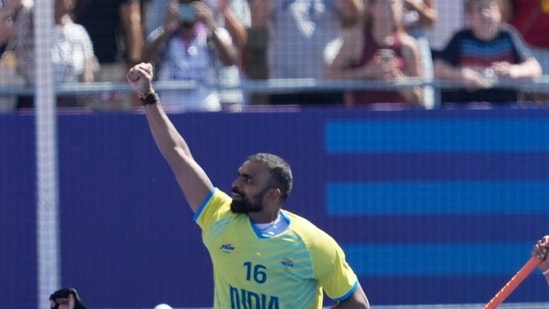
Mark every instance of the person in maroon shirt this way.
pixel 483 57
pixel 531 19
pixel 379 50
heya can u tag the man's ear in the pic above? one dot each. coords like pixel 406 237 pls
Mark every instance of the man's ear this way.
pixel 275 194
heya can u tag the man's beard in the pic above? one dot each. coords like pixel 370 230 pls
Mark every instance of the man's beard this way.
pixel 246 205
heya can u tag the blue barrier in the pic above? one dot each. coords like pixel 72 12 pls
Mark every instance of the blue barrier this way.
pixel 427 213
pixel 433 135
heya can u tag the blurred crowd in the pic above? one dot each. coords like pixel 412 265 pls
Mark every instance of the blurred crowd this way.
pixel 481 48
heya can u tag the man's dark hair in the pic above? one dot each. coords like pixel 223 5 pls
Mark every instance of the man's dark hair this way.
pixel 64 293
pixel 280 171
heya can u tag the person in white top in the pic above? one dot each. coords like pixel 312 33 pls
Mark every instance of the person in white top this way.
pixel 72 52
pixel 190 47
pixel 228 76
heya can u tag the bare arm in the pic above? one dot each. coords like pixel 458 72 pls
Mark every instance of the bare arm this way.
pixel 261 12
pixel 351 12
pixel 348 53
pixel 234 26
pixel 192 179
pixel 91 66
pixel 470 78
pixel 429 13
pixel 528 69
pixel 6 25
pixel 158 38
pixel 225 48
pixel 130 17
pixel 154 43
pixel 357 300
pixel 425 10
pixel 410 53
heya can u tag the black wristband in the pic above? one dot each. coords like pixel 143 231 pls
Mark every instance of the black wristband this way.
pixel 149 98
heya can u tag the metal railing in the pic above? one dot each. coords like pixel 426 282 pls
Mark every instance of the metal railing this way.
pixel 274 86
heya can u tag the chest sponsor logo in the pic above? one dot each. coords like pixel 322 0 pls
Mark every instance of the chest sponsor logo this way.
pixel 227 248
pixel 287 264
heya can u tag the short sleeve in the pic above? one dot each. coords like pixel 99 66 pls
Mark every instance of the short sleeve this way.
pixel 522 51
pixel 334 274
pixel 215 206
pixel 451 52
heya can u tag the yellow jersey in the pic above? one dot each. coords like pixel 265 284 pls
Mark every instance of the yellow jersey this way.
pixel 256 271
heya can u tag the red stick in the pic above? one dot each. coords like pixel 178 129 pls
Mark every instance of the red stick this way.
pixel 513 283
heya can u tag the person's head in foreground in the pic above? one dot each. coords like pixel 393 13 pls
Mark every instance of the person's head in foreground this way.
pixel 66 298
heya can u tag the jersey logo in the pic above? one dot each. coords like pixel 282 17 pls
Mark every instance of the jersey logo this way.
pixel 227 248
pixel 287 264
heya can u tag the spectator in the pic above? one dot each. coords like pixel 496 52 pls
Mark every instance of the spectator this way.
pixel 531 19
pixel 72 52
pixel 190 47
pixel 9 10
pixel 380 50
pixel 540 251
pixel 116 30
pixel 226 14
pixel 299 33
pixel 480 56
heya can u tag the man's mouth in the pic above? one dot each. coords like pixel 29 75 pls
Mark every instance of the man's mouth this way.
pixel 236 195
